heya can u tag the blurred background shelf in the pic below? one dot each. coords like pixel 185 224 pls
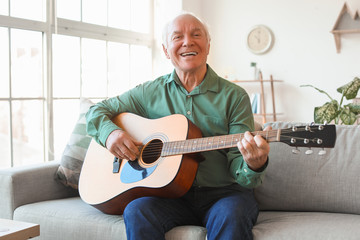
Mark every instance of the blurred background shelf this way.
pixel 263 114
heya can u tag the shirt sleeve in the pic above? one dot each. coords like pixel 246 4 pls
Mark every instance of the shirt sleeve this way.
pixel 242 120
pixel 98 118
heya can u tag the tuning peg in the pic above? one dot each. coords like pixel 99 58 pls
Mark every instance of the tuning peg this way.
pixel 309 151
pixel 322 152
pixel 295 151
pixel 325 123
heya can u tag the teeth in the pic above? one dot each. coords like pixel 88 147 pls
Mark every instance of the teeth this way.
pixel 189 54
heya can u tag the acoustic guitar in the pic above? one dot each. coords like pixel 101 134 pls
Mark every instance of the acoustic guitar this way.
pixel 169 158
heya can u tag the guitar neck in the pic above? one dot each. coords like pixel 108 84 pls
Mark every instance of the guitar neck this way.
pixel 213 143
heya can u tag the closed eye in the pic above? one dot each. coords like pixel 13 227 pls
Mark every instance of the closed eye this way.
pixel 197 33
pixel 176 35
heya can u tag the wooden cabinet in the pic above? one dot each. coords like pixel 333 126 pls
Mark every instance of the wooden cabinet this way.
pixel 263 113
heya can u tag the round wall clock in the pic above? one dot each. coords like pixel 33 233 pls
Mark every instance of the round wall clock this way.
pixel 260 39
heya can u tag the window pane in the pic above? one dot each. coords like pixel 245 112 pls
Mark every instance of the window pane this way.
pixel 69 9
pixel 28 132
pixel 66 113
pixel 26 63
pixel 118 68
pixel 21 9
pixel 4 7
pixel 66 66
pixel 119 14
pixel 140 16
pixel 5 160
pixel 4 62
pixel 140 60
pixel 94 11
pixel 93 66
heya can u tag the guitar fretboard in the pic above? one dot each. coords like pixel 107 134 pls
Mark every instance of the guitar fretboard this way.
pixel 213 143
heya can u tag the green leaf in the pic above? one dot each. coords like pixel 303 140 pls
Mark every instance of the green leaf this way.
pixel 347 117
pixel 333 110
pixel 322 91
pixel 355 108
pixel 327 112
pixel 351 89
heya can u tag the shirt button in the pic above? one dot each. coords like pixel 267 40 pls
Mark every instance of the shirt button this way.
pixel 245 170
pixel 188 112
pixel 188 96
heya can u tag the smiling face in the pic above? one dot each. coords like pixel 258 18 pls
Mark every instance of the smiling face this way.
pixel 187 44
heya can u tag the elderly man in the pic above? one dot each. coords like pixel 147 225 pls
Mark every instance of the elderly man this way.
pixel 221 198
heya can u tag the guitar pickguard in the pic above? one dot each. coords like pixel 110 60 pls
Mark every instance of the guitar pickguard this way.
pixel 132 172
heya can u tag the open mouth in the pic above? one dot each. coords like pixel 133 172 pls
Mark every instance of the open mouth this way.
pixel 188 54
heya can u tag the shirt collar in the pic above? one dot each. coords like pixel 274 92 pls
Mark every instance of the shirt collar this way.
pixel 210 82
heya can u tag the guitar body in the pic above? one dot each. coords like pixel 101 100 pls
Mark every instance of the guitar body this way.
pixel 169 177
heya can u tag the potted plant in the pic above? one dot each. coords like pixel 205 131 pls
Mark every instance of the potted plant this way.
pixel 336 111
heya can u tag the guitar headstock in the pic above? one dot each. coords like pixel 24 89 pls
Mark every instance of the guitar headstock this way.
pixel 319 136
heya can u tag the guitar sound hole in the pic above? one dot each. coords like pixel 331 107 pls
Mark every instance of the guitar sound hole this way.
pixel 152 151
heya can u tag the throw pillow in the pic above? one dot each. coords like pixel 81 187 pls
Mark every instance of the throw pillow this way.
pixel 74 154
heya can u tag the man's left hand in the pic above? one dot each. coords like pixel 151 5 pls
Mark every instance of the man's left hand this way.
pixel 255 150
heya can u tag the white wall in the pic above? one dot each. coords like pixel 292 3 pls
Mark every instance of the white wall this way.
pixel 164 10
pixel 304 51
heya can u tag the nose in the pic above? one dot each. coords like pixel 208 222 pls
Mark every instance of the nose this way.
pixel 188 41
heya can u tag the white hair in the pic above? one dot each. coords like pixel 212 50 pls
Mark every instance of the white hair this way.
pixel 165 31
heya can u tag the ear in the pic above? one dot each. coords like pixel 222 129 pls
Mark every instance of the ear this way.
pixel 166 52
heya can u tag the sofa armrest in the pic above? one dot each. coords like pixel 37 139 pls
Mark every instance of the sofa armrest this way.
pixel 30 184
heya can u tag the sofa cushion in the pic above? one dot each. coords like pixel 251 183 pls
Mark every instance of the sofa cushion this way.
pixel 75 150
pixel 300 182
pixel 306 226
pixel 71 218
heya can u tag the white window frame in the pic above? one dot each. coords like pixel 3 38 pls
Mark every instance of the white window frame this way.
pixel 71 28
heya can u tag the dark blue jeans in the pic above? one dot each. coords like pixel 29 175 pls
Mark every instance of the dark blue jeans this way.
pixel 226 214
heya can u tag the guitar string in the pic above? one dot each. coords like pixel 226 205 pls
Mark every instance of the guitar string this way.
pixel 154 149
pixel 154 152
pixel 199 141
pixel 225 139
pixel 270 134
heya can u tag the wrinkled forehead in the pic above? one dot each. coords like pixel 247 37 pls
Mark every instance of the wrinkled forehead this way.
pixel 185 23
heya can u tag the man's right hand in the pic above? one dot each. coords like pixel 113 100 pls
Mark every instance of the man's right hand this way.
pixel 122 146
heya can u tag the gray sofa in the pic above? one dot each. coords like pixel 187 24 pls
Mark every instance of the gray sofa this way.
pixel 303 197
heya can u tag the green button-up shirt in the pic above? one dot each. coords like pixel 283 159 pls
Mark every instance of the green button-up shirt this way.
pixel 216 106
